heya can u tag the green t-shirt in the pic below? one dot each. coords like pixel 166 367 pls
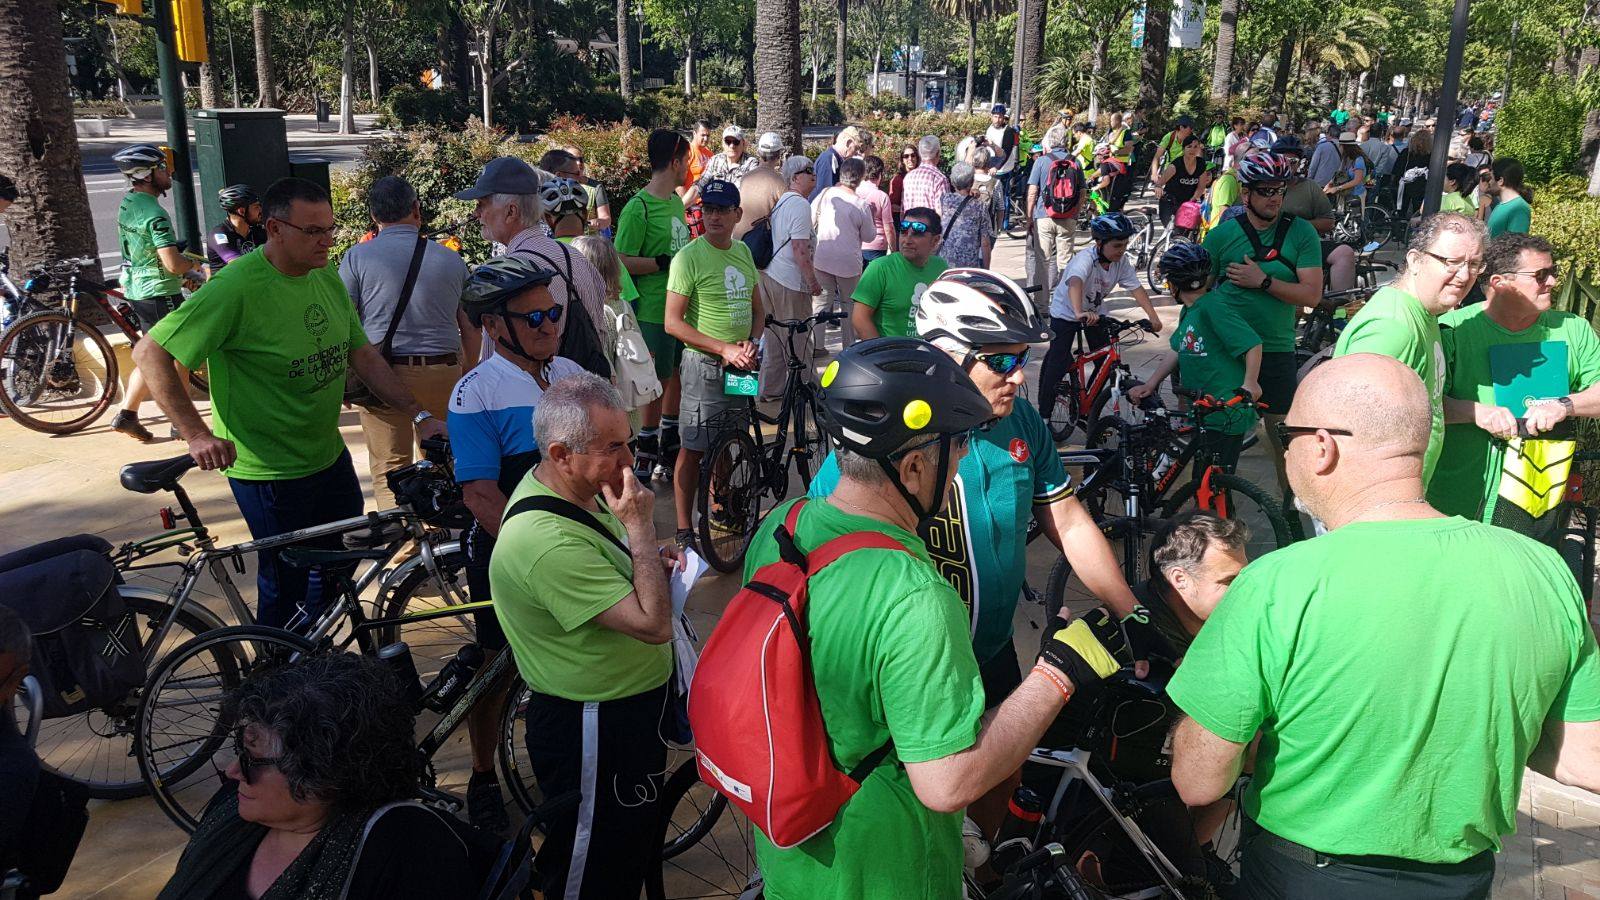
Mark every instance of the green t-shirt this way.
pixel 1268 316
pixel 1467 478
pixel 277 349
pixel 979 541
pixel 549 577
pixel 1211 341
pixel 890 658
pixel 1454 202
pixel 1513 215
pixel 649 227
pixel 143 228
pixel 719 285
pixel 892 287
pixel 1224 193
pixel 1395 324
pixel 1399 674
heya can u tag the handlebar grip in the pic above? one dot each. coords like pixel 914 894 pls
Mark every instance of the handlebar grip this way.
pixel 1522 430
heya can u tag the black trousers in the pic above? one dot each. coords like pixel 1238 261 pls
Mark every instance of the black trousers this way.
pixel 611 752
pixel 1272 869
pixel 1058 359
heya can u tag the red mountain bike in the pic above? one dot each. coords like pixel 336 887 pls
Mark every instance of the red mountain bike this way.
pixel 1092 379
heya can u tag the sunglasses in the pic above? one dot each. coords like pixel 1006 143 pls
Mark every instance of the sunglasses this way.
pixel 1267 191
pixel 537 317
pixel 1287 433
pixel 1003 364
pixel 314 232
pixel 958 444
pixel 248 763
pixel 908 156
pixel 909 227
pixel 1549 273
pixel 730 141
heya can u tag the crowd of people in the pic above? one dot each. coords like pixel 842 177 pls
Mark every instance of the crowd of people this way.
pixel 591 355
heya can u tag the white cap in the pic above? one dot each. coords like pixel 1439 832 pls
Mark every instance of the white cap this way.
pixel 769 143
pixel 733 131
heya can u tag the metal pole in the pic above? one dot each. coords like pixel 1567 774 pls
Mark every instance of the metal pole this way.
pixel 177 130
pixel 1511 54
pixel 1444 124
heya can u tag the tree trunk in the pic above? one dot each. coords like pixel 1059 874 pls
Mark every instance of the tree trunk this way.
pixel 39 147
pixel 210 78
pixel 877 67
pixel 266 79
pixel 1102 52
pixel 372 72
pixel 994 86
pixel 777 58
pixel 486 72
pixel 688 70
pixel 816 71
pixel 841 53
pixel 624 51
pixel 347 73
pixel 1588 58
pixel 972 52
pixel 1592 123
pixel 1032 51
pixel 459 64
pixel 1153 58
pixel 1591 144
pixel 1280 77
pixel 1222 69
pixel 1016 58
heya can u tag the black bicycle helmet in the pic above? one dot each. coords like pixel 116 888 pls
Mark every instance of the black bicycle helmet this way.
pixel 1262 168
pixel 491 286
pixel 1289 143
pixel 236 197
pixel 1111 226
pixel 1186 266
pixel 137 161
pixel 975 307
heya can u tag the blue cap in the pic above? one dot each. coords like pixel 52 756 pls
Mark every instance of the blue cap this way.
pixel 999 109
pixel 719 193
pixel 503 175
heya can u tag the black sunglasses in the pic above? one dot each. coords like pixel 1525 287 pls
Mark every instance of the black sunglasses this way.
pixel 1267 191
pixel 537 317
pixel 249 763
pixel 1287 432
pixel 730 141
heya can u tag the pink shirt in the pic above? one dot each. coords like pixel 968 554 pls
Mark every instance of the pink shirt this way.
pixel 844 223
pixel 924 186
pixel 882 215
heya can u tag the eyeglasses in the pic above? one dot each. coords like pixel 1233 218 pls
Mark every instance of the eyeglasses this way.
pixel 314 232
pixel 958 444
pixel 537 317
pixel 612 450
pixel 1256 191
pixel 1455 265
pixel 248 763
pixel 910 227
pixel 1549 273
pixel 1287 432
pixel 1002 364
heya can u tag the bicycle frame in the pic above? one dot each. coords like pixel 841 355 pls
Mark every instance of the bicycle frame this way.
pixel 796 392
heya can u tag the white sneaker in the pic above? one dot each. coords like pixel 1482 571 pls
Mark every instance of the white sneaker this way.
pixel 661 473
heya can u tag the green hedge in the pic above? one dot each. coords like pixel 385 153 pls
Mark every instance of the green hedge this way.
pixel 1543 129
pixel 1570 219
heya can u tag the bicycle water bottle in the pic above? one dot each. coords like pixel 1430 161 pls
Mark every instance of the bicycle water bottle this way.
pixel 452 680
pixel 397 656
pixel 1015 838
pixel 1163 463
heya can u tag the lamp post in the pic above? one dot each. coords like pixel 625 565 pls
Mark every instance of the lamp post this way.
pixel 1447 109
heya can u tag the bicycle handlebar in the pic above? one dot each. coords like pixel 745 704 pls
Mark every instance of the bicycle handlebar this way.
pixel 1336 299
pixel 808 322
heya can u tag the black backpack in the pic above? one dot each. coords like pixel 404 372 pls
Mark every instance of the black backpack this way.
pixel 759 239
pixel 86 645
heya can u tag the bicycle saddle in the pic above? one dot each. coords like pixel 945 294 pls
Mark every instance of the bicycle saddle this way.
pixel 156 475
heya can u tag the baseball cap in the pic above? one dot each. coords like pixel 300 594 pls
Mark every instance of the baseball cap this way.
pixel 793 166
pixel 718 192
pixel 733 131
pixel 999 109
pixel 769 143
pixel 503 175
pixel 1181 121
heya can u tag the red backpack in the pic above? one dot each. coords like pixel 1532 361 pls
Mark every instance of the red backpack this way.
pixel 759 736
pixel 1064 187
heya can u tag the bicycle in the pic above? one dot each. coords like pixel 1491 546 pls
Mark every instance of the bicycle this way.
pixel 60 370
pixel 1147 245
pixel 744 473
pixel 1081 398
pixel 1357 222
pixel 95 748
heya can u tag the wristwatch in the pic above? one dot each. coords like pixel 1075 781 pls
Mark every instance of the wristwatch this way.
pixel 1266 282
pixel 1566 402
pixel 421 417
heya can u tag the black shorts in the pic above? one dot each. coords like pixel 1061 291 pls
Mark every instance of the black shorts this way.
pixel 1001 675
pixel 1279 375
pixel 153 309
pixel 479 544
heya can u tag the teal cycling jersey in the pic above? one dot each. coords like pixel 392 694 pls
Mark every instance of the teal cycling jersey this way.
pixel 979 540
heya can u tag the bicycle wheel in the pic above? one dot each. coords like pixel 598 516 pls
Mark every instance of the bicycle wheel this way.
pixel 95 748
pixel 1152 268
pixel 707 846
pixel 64 367
pixel 1065 589
pixel 1106 859
pixel 1376 226
pixel 1065 417
pixel 184 736
pixel 1241 500
pixel 810 445
pixel 729 499
pixel 435 641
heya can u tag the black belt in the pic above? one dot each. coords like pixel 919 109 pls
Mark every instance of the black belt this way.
pixel 438 359
pixel 1302 854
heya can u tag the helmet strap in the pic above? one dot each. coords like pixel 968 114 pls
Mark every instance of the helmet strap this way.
pixel 923 514
pixel 1100 253
pixel 512 344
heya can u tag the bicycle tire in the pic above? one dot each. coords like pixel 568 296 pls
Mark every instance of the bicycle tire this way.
pixel 696 853
pixel 1268 529
pixel 40 332
pixel 183 789
pixel 1060 590
pixel 433 642
pixel 809 444
pixel 1152 268
pixel 1305 362
pixel 74 747
pixel 1065 417
pixel 728 500
pixel 1376 225
pixel 1106 860
pixel 21 369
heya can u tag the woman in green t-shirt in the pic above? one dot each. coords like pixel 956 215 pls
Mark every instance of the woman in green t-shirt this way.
pixel 1459 181
pixel 1511 211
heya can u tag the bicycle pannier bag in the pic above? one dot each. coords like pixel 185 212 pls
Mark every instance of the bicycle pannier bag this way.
pixel 1188 215
pixel 86 647
pixel 1064 185
pixel 759 735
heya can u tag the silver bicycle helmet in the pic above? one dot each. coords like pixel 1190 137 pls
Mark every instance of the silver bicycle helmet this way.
pixel 974 307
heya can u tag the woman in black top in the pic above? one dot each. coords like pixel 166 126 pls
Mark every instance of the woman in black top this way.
pixel 1178 182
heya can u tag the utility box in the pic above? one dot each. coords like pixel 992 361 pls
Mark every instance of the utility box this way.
pixel 238 146
pixel 312 168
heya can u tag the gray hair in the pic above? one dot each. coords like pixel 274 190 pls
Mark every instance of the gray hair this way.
pixel 961 176
pixel 565 414
pixel 390 199
pixel 1186 539
pixel 530 206
pixel 865 469
pixel 14 635
pixel 851 171
pixel 1430 229
pixel 1055 137
pixel 928 150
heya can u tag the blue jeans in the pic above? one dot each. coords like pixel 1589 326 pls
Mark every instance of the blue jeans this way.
pixel 1005 194
pixel 868 256
pixel 278 507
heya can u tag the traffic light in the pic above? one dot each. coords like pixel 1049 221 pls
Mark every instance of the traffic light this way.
pixel 126 7
pixel 188 29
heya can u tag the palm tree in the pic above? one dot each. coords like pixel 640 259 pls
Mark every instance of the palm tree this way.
pixel 1029 49
pixel 624 50
pixel 1153 59
pixel 841 50
pixel 266 78
pixel 777 31
pixel 973 11
pixel 1222 68
pixel 39 149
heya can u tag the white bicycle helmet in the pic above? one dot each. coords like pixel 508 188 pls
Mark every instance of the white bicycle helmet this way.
pixel 563 196
pixel 974 307
pixel 137 161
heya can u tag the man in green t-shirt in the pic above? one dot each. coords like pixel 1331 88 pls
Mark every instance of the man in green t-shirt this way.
pixel 650 230
pixel 886 297
pixel 279 333
pixel 1402 319
pixel 714 307
pixel 889 647
pixel 1509 358
pixel 1399 671
pixel 154 270
pixel 581 589
pixel 1267 267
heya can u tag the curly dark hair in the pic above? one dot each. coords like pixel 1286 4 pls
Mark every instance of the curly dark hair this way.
pixel 345 730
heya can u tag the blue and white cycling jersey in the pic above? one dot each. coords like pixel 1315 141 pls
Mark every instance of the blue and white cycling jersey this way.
pixel 491 418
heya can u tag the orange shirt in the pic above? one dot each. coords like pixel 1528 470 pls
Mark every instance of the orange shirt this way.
pixel 697 165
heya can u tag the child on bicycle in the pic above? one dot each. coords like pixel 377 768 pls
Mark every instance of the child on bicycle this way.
pixel 1214 352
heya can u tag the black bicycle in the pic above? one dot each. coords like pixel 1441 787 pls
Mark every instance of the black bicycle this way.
pixel 745 473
